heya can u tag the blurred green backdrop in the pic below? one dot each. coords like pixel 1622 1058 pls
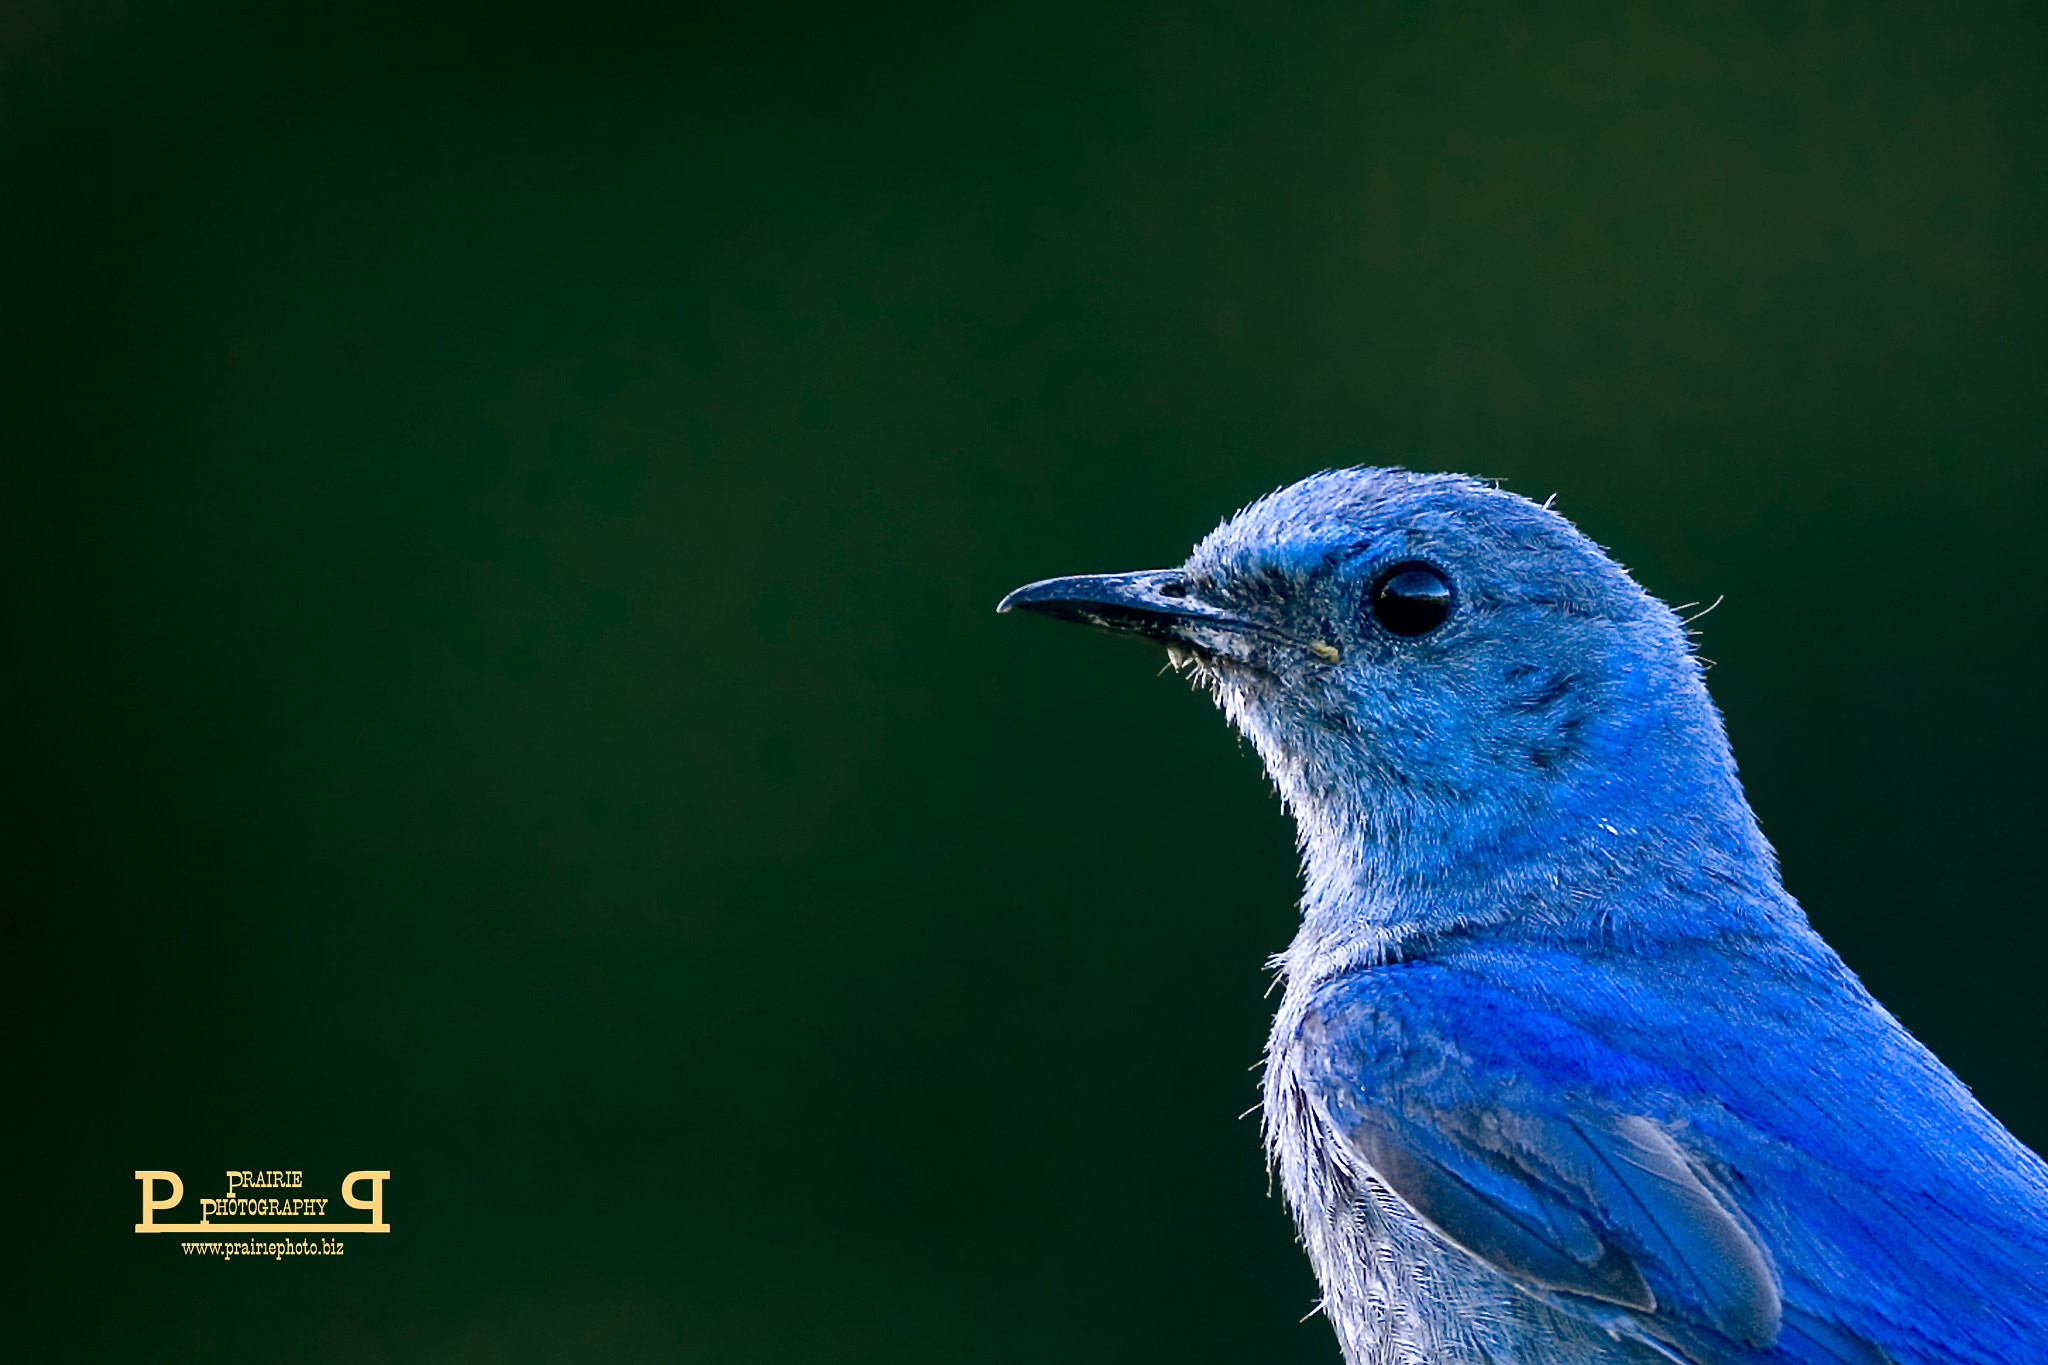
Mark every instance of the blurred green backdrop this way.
pixel 506 509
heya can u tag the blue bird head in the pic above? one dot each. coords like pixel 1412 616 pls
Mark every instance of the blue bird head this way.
pixel 1474 714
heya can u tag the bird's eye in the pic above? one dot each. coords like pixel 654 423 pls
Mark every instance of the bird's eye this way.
pixel 1411 599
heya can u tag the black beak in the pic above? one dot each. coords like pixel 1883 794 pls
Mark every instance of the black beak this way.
pixel 1154 603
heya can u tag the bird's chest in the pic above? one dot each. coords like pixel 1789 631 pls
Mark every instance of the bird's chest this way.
pixel 1384 1287
pixel 1396 1292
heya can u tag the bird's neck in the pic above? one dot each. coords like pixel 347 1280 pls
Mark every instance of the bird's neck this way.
pixel 1392 874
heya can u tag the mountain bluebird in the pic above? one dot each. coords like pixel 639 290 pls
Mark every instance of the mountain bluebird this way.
pixel 1562 1074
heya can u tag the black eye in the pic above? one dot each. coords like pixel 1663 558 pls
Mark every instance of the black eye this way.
pixel 1411 599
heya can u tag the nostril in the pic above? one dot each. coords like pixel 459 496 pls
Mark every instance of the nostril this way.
pixel 1173 587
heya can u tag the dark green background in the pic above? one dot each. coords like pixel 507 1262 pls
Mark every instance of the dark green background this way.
pixel 506 508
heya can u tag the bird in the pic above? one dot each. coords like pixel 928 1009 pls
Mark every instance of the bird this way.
pixel 1561 1073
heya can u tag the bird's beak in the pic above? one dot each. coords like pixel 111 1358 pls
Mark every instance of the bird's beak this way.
pixel 1153 603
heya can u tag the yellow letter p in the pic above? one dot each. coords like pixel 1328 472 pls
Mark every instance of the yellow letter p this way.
pixel 375 1203
pixel 150 1203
